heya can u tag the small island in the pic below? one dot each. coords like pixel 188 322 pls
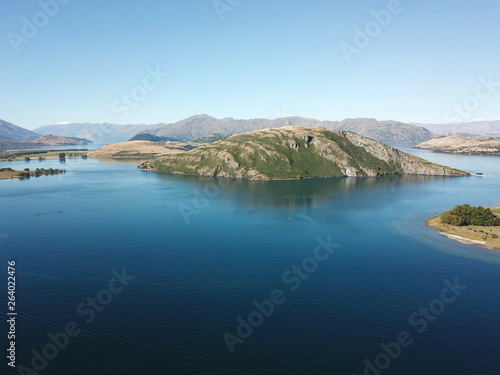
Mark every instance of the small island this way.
pixel 31 155
pixel 9 173
pixel 479 226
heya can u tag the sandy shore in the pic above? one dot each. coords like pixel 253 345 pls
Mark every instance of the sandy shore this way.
pixel 471 234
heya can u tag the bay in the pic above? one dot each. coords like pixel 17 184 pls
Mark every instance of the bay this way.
pixel 203 250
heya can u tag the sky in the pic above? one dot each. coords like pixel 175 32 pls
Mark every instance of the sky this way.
pixel 152 61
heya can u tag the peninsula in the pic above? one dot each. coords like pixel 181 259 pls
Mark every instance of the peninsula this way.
pixel 477 226
pixel 456 144
pixel 140 150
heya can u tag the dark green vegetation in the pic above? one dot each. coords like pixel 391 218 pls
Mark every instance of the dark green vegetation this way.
pixel 462 215
pixel 287 162
pixel 362 157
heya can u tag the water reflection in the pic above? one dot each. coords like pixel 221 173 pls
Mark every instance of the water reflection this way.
pixel 294 195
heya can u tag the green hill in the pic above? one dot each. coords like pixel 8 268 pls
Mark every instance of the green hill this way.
pixel 296 152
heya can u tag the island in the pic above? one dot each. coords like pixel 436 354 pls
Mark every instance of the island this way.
pixel 295 152
pixel 456 144
pixel 9 173
pixel 479 226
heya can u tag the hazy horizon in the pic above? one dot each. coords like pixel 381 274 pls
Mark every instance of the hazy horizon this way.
pixel 161 61
pixel 62 123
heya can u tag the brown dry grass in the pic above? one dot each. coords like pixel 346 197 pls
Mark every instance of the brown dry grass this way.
pixel 4 175
pixel 139 150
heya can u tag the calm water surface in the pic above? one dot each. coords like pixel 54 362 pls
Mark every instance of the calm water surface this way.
pixel 203 250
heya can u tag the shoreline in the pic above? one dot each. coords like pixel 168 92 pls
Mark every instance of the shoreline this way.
pixel 12 174
pixel 469 235
pixel 34 155
pixel 479 153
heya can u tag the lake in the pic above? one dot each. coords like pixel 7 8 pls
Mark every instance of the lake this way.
pixel 122 271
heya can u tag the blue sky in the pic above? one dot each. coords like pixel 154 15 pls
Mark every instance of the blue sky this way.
pixel 161 60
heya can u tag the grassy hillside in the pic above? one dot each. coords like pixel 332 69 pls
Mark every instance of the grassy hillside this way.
pixel 295 152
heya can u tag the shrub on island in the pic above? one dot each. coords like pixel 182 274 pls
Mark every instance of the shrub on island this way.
pixel 465 214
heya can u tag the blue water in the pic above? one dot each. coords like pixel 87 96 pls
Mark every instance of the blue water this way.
pixel 200 260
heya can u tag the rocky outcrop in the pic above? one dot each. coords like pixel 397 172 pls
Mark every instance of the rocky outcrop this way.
pixel 296 152
pixel 456 144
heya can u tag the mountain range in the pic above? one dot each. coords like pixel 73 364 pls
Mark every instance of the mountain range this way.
pixel 389 132
pixel 99 133
pixel 392 132
pixel 46 140
pixel 483 127
pixel 16 133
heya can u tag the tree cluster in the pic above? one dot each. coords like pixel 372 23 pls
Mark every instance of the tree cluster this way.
pixel 465 214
